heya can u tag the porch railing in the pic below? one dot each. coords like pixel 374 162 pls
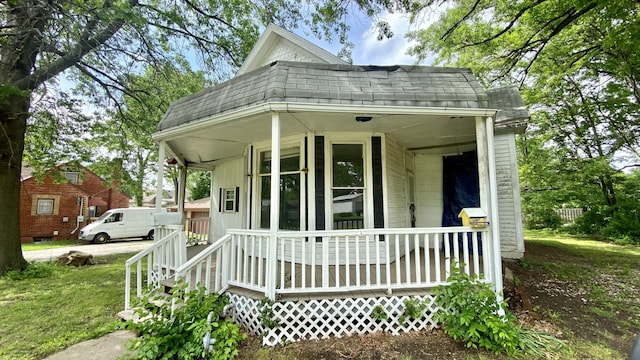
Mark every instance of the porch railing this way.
pixel 197 230
pixel 160 261
pixel 340 261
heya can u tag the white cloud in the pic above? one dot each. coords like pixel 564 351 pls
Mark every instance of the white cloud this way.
pixel 369 50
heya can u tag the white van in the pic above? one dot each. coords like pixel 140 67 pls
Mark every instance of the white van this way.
pixel 120 224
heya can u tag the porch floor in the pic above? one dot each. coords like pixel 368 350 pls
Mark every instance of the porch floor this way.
pixel 344 279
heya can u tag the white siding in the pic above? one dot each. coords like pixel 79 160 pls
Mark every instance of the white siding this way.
pixel 509 207
pixel 428 177
pixel 285 50
pixel 228 175
pixel 397 203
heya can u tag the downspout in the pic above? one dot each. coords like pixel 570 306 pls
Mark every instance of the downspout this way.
pixel 79 214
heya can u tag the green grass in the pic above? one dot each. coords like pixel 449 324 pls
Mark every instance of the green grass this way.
pixel 609 277
pixel 49 245
pixel 56 306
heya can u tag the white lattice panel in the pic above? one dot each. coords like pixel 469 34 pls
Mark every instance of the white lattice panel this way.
pixel 325 318
pixel 247 313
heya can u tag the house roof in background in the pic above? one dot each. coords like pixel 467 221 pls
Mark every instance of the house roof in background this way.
pixel 200 204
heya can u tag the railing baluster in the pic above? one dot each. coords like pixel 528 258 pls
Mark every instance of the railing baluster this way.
pixel 387 258
pixel 476 256
pixel 357 263
pixel 397 259
pixel 245 260
pixel 282 261
pixel 427 257
pixel 337 262
pixel 303 263
pixel 465 251
pixel 347 263
pixel 436 255
pixel 416 246
pixel 261 279
pixel 407 259
pixel 314 244
pixel 293 263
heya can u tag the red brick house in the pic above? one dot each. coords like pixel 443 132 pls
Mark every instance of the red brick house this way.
pixel 55 208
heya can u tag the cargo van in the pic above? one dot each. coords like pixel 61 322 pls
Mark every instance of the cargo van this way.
pixel 120 224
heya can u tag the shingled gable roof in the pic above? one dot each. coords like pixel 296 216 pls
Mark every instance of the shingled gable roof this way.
pixel 277 43
pixel 296 82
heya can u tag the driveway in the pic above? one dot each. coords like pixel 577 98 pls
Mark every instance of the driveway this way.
pixel 132 246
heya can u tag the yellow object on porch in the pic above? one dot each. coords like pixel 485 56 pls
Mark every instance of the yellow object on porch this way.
pixel 474 217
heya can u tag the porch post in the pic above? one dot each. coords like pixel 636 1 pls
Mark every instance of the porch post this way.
pixel 159 184
pixel 495 225
pixel 212 207
pixel 182 181
pixel 274 208
pixel 489 194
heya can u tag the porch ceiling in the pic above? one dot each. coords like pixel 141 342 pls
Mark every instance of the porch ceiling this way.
pixel 434 134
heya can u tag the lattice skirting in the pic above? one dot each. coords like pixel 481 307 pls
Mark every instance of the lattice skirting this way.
pixel 325 318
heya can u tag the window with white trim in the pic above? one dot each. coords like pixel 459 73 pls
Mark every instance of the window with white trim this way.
pixel 44 207
pixel 347 186
pixel 229 200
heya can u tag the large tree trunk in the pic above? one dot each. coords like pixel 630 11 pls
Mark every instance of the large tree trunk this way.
pixel 13 124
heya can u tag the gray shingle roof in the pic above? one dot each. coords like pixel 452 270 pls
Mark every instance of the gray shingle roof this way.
pixel 512 112
pixel 286 81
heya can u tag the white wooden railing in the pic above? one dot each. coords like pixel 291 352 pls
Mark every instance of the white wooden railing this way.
pixel 160 260
pixel 340 261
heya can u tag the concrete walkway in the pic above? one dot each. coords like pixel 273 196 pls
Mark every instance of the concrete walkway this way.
pixel 119 247
pixel 109 347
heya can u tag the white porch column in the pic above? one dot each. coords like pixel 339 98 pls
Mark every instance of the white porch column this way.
pixel 495 225
pixel 182 185
pixel 483 164
pixel 489 194
pixel 160 180
pixel 212 209
pixel 274 202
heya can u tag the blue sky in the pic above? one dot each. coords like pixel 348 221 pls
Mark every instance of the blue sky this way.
pixel 368 49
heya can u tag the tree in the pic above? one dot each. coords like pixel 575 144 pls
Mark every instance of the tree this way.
pixel 126 134
pixel 578 68
pixel 98 43
pixel 200 184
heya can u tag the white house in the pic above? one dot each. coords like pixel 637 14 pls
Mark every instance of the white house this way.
pixel 396 150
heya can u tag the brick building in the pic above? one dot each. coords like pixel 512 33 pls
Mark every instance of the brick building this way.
pixel 56 207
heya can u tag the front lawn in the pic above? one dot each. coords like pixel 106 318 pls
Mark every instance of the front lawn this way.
pixel 56 306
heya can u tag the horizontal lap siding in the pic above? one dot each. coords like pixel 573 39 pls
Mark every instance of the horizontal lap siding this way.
pixel 397 204
pixel 428 177
pixel 509 208
pixel 228 175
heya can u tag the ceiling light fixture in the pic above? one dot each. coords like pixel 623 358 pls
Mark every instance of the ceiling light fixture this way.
pixel 363 118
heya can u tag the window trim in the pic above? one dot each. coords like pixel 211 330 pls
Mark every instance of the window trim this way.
pixel 72 181
pixel 298 143
pixel 229 201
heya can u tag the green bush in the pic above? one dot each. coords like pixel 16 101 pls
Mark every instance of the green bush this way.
pixel 470 312
pixel 178 335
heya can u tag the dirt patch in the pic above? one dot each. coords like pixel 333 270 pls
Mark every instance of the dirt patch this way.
pixel 593 304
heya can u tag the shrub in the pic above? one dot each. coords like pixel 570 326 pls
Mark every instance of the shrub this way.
pixel 178 335
pixel 470 312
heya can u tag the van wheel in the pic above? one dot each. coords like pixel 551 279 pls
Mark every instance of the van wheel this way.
pixel 150 235
pixel 101 238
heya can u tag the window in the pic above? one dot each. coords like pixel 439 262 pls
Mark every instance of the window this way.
pixel 289 189
pixel 73 177
pixel 45 207
pixel 348 186
pixel 230 200
pixel 115 217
